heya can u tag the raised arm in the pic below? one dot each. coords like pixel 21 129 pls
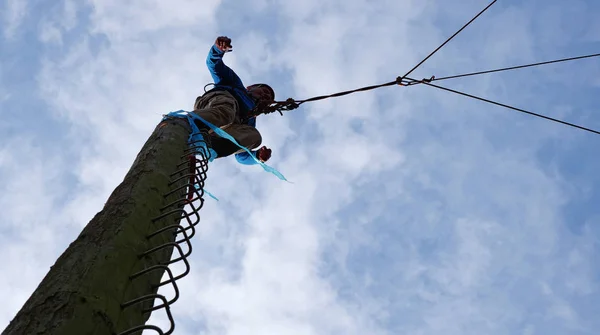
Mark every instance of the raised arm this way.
pixel 220 72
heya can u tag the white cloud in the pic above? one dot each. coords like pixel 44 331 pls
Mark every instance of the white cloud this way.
pixel 49 33
pixel 58 20
pixel 34 228
pixel 123 21
pixel 412 211
pixel 14 13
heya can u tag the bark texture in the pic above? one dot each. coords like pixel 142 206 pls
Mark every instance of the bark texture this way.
pixel 83 292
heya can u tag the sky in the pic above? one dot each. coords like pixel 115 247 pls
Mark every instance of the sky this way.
pixel 412 210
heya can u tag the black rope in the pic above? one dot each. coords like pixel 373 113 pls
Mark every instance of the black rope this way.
pixel 513 108
pixel 339 94
pixel 502 69
pixel 291 104
pixel 450 38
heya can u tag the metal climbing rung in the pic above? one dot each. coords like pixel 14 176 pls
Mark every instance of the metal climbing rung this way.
pixel 188 174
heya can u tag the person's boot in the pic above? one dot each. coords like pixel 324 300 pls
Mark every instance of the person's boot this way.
pixel 202 126
pixel 222 146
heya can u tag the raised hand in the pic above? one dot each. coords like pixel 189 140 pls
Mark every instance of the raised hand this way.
pixel 223 43
pixel 263 154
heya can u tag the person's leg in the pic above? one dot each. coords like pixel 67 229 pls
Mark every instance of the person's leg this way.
pixel 219 108
pixel 247 136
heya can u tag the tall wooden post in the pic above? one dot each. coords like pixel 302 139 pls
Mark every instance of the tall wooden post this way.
pixel 93 286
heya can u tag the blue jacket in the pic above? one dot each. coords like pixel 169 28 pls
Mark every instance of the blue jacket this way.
pixel 225 78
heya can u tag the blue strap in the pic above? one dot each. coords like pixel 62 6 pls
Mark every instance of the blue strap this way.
pixel 196 132
pixel 197 186
pixel 195 135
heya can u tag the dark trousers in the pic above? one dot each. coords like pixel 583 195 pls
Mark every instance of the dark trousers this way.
pixel 221 109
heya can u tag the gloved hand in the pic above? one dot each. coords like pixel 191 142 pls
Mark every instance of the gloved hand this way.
pixel 263 154
pixel 223 43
